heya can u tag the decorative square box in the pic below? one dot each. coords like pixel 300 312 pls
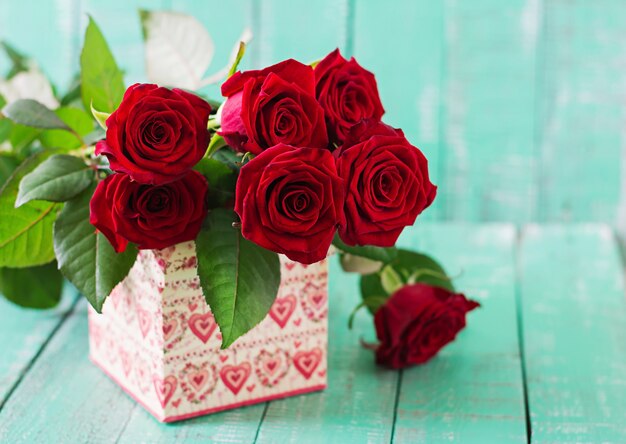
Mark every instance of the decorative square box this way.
pixel 158 340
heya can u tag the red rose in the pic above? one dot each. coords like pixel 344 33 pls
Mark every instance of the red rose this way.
pixel 416 322
pixel 386 181
pixel 151 216
pixel 290 201
pixel 272 106
pixel 156 135
pixel 348 94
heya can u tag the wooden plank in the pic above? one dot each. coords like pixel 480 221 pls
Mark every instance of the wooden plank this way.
pixel 473 390
pixel 582 109
pixel 46 32
pixel 489 168
pixel 305 31
pixel 233 426
pixel 358 404
pixel 64 398
pixel 23 333
pixel 574 323
pixel 403 47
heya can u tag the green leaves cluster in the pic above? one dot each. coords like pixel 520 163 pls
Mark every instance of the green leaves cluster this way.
pixel 47 177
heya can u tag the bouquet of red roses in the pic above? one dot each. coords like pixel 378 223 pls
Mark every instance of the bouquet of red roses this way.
pixel 295 159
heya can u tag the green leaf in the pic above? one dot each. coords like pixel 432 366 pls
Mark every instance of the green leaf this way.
pixel 8 164
pixel 240 280
pixel 416 267
pixel 94 136
pixel 22 138
pixel 391 280
pixel 230 158
pixel 240 52
pixel 35 287
pixel 5 129
pixel 80 124
pixel 215 144
pixel 25 232
pixel 101 117
pixel 372 289
pixel 101 80
pixel 86 258
pixel 222 181
pixel 58 179
pixel 384 255
pixel 32 113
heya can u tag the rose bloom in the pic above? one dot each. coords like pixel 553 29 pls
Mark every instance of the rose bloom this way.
pixel 290 201
pixel 386 181
pixel 416 322
pixel 156 135
pixel 348 94
pixel 151 216
pixel 271 106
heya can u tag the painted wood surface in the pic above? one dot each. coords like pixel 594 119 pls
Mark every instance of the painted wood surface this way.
pixel 574 323
pixel 518 104
pixel 473 391
pixel 23 334
pixel 560 287
pixel 407 58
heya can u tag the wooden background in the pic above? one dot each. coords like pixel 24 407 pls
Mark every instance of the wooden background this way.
pixel 520 105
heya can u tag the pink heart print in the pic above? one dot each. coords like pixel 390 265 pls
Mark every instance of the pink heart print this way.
pixel 165 389
pixel 143 317
pixel 198 379
pixel 307 361
pixel 282 309
pixel 235 376
pixel 202 325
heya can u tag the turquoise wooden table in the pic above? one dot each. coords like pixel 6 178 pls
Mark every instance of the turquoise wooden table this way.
pixel 543 360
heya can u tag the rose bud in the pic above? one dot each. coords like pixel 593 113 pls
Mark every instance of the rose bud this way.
pixel 151 216
pixel 386 182
pixel 271 106
pixel 348 94
pixel 156 135
pixel 290 201
pixel 416 322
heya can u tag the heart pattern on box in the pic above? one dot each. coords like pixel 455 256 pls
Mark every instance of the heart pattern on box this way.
pixel 271 368
pixel 173 327
pixel 202 325
pixel 307 361
pixel 144 320
pixel 314 302
pixel 235 376
pixel 165 388
pixel 198 381
pixel 282 309
pixel 160 341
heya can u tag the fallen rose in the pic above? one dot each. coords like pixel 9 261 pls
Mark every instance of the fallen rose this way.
pixel 416 322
